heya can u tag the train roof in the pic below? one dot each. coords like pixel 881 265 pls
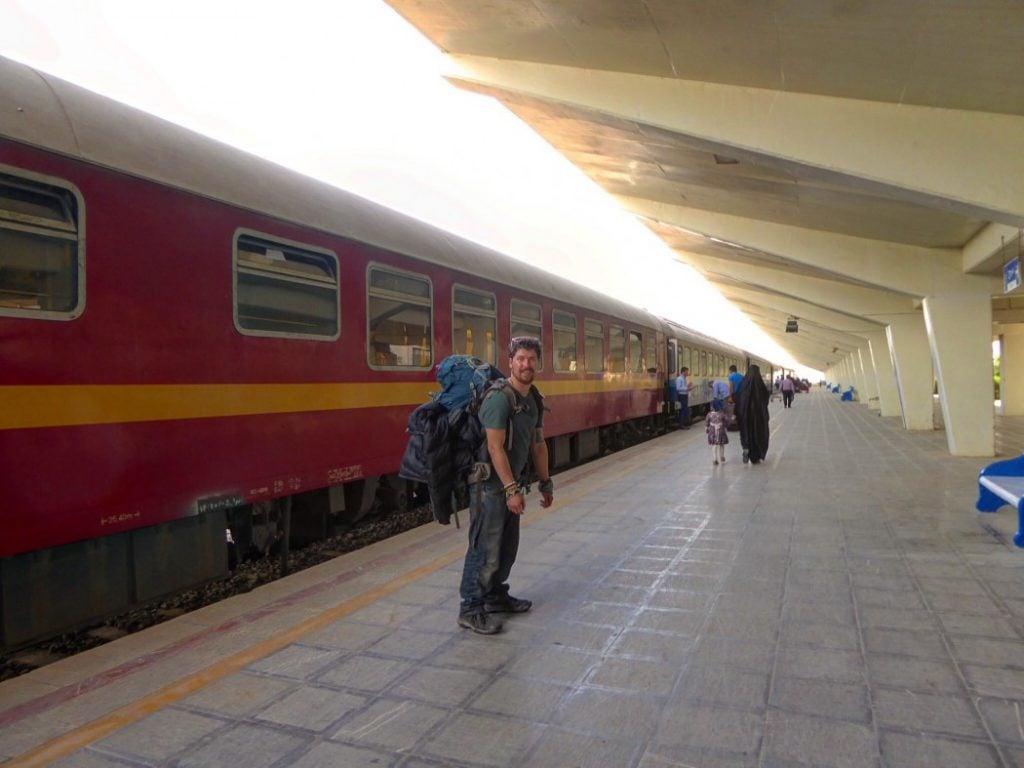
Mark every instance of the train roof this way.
pixel 44 111
pixel 674 328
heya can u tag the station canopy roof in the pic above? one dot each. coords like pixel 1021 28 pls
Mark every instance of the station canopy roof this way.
pixel 825 160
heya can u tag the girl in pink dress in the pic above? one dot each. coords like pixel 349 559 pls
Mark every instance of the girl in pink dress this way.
pixel 718 435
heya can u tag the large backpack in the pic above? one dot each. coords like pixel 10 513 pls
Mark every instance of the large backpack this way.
pixel 447 443
pixel 463 380
pixel 467 381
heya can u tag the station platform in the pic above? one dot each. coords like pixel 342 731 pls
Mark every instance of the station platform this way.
pixel 840 605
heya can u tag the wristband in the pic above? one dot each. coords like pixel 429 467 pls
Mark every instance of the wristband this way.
pixel 546 486
pixel 512 489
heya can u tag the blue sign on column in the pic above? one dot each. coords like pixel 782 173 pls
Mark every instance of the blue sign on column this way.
pixel 1011 275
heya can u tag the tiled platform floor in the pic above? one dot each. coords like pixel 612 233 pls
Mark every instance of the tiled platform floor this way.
pixel 841 605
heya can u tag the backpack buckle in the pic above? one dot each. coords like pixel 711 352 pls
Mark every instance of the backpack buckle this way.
pixel 481 472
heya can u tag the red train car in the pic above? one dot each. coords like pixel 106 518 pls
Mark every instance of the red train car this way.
pixel 186 330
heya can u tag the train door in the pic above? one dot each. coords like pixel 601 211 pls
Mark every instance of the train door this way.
pixel 671 370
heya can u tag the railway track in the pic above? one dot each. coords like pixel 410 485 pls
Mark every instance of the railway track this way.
pixel 245 577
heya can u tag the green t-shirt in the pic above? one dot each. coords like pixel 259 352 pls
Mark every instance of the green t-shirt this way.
pixel 528 417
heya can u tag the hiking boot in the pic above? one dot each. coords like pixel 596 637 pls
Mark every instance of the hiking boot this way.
pixel 480 623
pixel 508 604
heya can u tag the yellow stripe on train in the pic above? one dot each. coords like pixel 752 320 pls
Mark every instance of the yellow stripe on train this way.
pixel 78 405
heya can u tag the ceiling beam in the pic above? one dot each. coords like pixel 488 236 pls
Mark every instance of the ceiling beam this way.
pixel 818 343
pixel 963 161
pixel 907 269
pixel 849 299
pixel 788 306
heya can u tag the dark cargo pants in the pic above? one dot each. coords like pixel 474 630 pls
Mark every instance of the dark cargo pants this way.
pixel 493 545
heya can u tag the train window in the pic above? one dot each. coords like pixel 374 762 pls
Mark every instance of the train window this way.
pixel 636 356
pixel 563 328
pixel 526 321
pixel 704 370
pixel 617 349
pixel 650 355
pixel 593 346
pixel 686 360
pixel 42 250
pixel 474 324
pixel 285 289
pixel 399 308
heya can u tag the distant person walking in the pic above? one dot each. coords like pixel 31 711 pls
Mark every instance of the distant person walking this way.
pixel 752 409
pixel 718 436
pixel 683 387
pixel 788 388
pixel 732 418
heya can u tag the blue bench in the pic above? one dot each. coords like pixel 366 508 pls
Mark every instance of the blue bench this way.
pixel 1001 483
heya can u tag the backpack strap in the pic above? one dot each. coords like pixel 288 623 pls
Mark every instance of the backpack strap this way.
pixel 538 398
pixel 502 385
pixel 505 387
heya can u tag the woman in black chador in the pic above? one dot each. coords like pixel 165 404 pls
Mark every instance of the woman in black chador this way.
pixel 752 410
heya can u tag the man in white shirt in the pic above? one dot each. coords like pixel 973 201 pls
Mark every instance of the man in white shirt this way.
pixel 683 387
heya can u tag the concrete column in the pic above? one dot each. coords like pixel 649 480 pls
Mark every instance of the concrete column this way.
pixel 870 397
pixel 1011 370
pixel 912 361
pixel 960 336
pixel 858 375
pixel 885 376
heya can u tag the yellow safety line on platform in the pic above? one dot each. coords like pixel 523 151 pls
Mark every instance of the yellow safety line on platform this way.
pixel 64 745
